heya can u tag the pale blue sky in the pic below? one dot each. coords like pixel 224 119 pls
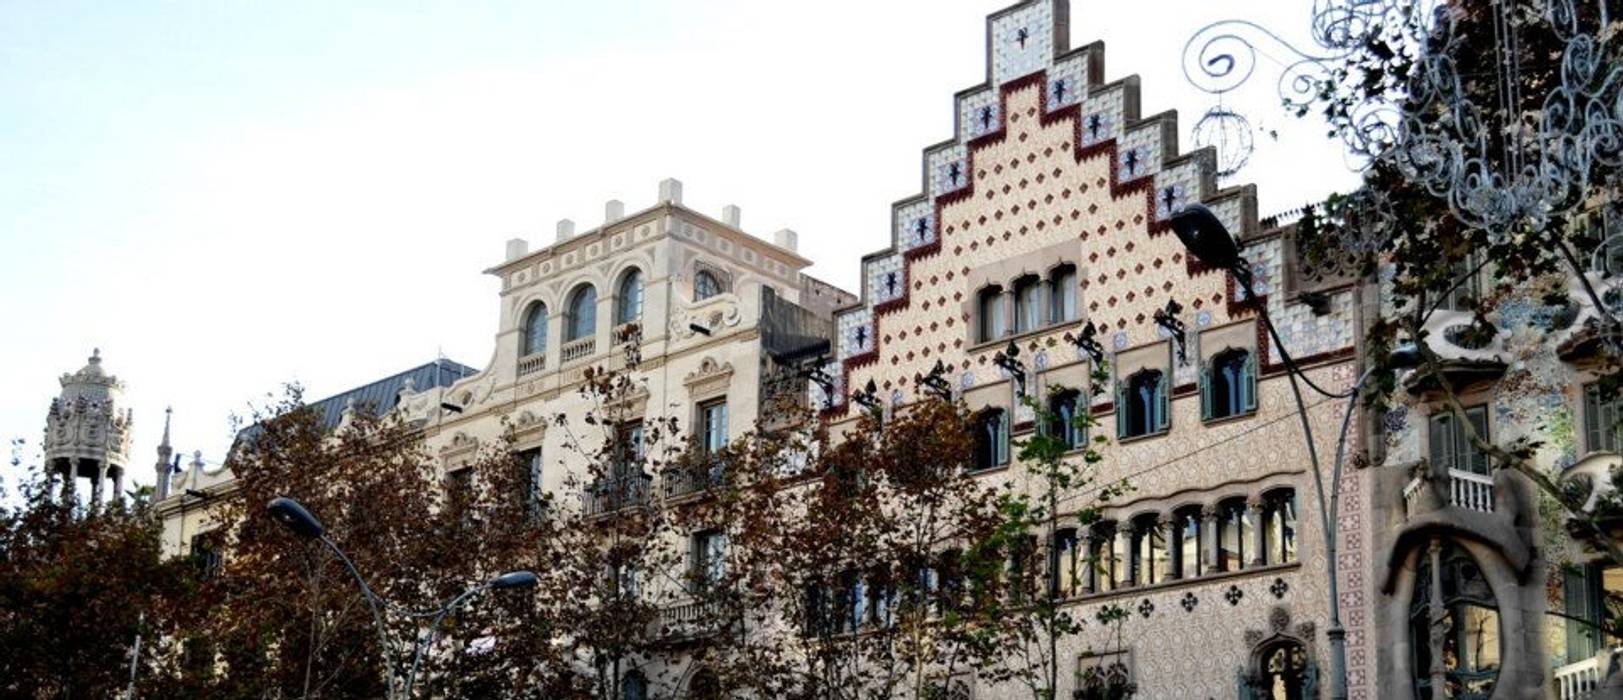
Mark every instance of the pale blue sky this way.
pixel 224 196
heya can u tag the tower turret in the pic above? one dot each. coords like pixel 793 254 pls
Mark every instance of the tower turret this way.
pixel 165 468
pixel 87 432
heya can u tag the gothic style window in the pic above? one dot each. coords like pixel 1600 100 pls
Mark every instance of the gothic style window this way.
pixel 582 321
pixel 1062 306
pixel 628 307
pixel 535 329
pixel 1279 527
pixel 1141 404
pixel 1104 676
pixel 1229 385
pixel 1149 551
pixel 206 554
pixel 1028 304
pixel 989 313
pixel 1601 415
pixel 1104 557
pixel 1452 598
pixel 1066 419
pixel 1063 581
pixel 991 439
pixel 1186 538
pixel 1234 535
pixel 1451 449
pixel 705 285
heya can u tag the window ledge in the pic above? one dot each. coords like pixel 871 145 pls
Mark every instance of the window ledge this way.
pixel 1146 436
pixel 1232 418
pixel 1213 577
pixel 1003 340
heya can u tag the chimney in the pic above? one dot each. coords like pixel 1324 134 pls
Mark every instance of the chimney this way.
pixel 566 229
pixel 670 190
pixel 731 214
pixel 613 210
pixel 786 238
pixel 517 248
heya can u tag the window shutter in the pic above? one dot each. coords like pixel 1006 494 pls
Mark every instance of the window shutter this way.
pixel 1002 446
pixel 1478 459
pixel 1248 383
pixel 1205 378
pixel 1121 410
pixel 1162 415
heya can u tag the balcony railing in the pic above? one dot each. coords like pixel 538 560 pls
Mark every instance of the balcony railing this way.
pixel 577 349
pixel 682 482
pixel 610 495
pixel 1468 490
pixel 1576 681
pixel 691 619
pixel 530 364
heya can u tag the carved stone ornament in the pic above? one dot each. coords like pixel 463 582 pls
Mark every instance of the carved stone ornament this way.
pixel 460 443
pixel 710 378
pixel 714 314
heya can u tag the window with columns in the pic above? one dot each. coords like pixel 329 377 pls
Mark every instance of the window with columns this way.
pixel 1186 538
pixel 1028 304
pixel 1142 405
pixel 1103 559
pixel 991 439
pixel 1279 527
pixel 1149 554
pixel 1064 565
pixel 989 314
pixel 1236 529
pixel 1062 295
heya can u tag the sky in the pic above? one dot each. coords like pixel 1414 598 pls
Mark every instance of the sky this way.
pixel 225 197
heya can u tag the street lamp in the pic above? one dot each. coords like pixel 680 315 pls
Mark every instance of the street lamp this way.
pixel 1209 241
pixel 303 523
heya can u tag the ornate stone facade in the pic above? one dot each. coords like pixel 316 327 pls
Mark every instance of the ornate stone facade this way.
pixel 87 433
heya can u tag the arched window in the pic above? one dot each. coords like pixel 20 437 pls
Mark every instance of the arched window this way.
pixel 991 439
pixel 1067 415
pixel 705 686
pixel 1028 304
pixel 1451 595
pixel 1285 672
pixel 634 686
pixel 535 330
pixel 1235 531
pixel 1103 558
pixel 1186 542
pixel 1279 527
pixel 989 314
pixel 628 305
pixel 1064 565
pixel 1141 404
pixel 1229 385
pixel 705 285
pixel 582 321
pixel 1149 551
pixel 1062 306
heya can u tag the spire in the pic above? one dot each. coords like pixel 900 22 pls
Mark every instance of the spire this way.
pixel 164 466
pixel 168 412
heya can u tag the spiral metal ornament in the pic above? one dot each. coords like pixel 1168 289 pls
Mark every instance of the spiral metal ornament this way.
pixel 1229 134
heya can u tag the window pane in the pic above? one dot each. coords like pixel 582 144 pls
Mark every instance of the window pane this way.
pixel 1062 295
pixel 1189 545
pixel 1027 306
pixel 630 298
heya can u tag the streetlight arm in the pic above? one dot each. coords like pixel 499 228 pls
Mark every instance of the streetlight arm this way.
pixel 433 631
pixel 374 604
pixel 1284 354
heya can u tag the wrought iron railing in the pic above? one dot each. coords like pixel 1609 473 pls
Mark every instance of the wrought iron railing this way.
pixel 619 493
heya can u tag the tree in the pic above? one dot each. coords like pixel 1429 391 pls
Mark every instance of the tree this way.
pixel 77 589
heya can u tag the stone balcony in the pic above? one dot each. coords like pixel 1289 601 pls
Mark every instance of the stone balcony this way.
pixel 691 619
pixel 577 349
pixel 1580 680
pixel 1464 489
pixel 1425 500
pixel 532 363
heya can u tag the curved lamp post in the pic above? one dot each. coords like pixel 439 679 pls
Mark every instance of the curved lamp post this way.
pixel 1206 238
pixel 301 522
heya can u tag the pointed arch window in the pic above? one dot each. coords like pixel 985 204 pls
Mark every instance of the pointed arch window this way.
pixel 1141 404
pixel 535 329
pixel 1228 385
pixel 705 285
pixel 1062 293
pixel 991 439
pixel 628 304
pixel 1104 558
pixel 989 314
pixel 1028 304
pixel 634 686
pixel 582 321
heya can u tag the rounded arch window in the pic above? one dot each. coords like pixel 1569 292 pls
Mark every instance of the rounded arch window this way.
pixel 535 329
pixel 582 321
pixel 705 285
pixel 1454 619
pixel 628 305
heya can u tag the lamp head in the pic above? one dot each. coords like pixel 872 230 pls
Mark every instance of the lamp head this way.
pixel 293 515
pixel 1406 356
pixel 513 579
pixel 1205 236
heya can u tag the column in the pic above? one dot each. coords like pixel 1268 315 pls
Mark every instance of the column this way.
pixel 1259 531
pixel 118 486
pixel 96 486
pixel 1436 611
pixel 1209 542
pixel 1124 547
pixel 1168 527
